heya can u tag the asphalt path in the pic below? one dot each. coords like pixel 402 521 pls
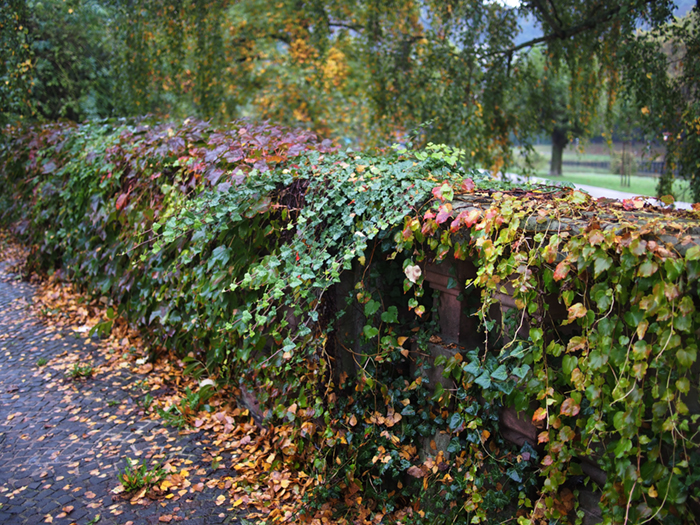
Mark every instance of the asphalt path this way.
pixel 63 442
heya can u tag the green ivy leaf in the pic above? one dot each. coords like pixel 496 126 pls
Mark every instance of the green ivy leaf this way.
pixel 484 380
pixel 686 356
pixel 674 268
pixel 521 371
pixel 455 422
pixel 391 315
pixel 601 264
pixel 370 331
pixel 371 308
pixel 439 392
pixel 473 368
pixel 500 374
pixel 693 253
pixel 633 317
pixel 683 385
pixel 568 364
pixel 597 359
pixel 454 447
pixel 647 269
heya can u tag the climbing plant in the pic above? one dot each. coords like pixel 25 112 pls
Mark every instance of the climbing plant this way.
pixel 286 267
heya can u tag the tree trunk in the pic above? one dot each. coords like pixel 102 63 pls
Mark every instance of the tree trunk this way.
pixel 559 142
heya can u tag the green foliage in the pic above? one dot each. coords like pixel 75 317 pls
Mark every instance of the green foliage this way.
pixel 180 414
pixel 612 375
pixel 58 59
pixel 80 371
pixel 362 72
pixel 550 105
pixel 72 59
pixel 15 60
pixel 249 250
pixel 41 362
pixel 136 476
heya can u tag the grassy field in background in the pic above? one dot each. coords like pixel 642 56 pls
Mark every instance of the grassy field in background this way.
pixel 592 153
pixel 571 154
pixel 638 185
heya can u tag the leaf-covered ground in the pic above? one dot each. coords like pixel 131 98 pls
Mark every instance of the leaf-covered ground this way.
pixel 73 408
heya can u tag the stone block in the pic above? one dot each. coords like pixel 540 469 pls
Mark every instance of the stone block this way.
pixel 517 427
pixel 455 325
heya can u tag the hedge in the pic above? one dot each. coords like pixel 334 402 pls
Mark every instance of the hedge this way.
pixel 274 262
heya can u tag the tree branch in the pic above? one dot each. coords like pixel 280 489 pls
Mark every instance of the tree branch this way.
pixel 590 23
pixel 547 17
pixel 354 27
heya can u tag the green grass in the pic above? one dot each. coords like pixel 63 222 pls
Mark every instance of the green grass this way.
pixel 80 371
pixel 638 185
pixel 571 154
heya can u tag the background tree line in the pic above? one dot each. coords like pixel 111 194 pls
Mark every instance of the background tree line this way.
pixel 368 71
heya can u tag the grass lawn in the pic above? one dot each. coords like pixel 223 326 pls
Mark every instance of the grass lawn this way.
pixel 638 185
pixel 572 154
pixel 602 178
pixel 590 153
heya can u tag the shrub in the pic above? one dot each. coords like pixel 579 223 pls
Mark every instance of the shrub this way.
pixel 297 272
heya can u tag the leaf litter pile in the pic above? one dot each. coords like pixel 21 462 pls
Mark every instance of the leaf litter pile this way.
pixel 250 465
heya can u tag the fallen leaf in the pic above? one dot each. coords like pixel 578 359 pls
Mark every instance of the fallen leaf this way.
pixel 416 472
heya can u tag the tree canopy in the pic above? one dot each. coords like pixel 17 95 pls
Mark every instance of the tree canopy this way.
pixel 366 72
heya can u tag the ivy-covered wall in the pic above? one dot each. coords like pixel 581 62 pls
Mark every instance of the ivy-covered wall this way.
pixel 279 265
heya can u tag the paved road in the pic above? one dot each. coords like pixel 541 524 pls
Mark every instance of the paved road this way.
pixel 63 442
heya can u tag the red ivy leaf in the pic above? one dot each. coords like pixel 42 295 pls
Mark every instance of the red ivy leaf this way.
pixel 468 185
pixel 562 271
pixel 467 218
pixel 444 213
pixel 569 407
pixel 539 415
pixel 429 227
pixel 471 218
pixel 121 201
pixel 576 311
